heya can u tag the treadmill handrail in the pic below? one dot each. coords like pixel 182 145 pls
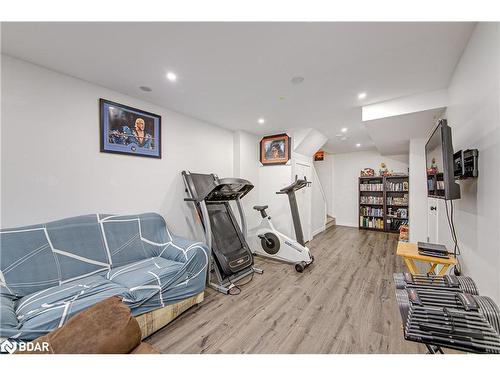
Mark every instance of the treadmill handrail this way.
pixel 204 214
pixel 206 224
pixel 243 219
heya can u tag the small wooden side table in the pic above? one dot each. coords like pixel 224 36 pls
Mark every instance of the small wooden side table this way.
pixel 409 252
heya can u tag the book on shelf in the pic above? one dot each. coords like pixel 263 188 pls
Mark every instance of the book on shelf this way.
pixel 401 213
pixel 367 199
pixel 433 184
pixel 396 186
pixel 371 187
pixel 395 224
pixel 398 201
pixel 367 222
pixel 371 211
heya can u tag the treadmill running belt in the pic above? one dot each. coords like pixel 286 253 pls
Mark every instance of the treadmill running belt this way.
pixel 226 241
pixel 232 253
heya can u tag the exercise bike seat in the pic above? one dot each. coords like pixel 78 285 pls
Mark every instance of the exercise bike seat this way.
pixel 260 208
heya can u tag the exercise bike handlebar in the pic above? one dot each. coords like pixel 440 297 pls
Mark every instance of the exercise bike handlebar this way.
pixel 297 185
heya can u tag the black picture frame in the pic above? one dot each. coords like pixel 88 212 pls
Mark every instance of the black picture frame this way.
pixel 287 149
pixel 116 132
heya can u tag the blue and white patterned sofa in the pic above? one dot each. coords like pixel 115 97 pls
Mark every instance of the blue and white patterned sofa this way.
pixel 50 272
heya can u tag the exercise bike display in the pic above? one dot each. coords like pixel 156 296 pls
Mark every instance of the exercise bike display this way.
pixel 266 241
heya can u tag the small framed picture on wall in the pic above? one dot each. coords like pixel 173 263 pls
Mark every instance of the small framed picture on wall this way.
pixel 319 155
pixel 275 149
pixel 129 131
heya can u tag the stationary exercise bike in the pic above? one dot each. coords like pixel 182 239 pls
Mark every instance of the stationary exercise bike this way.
pixel 266 241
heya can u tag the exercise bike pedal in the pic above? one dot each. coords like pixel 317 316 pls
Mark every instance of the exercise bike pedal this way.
pixel 268 241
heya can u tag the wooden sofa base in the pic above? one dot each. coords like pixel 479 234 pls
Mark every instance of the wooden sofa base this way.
pixel 153 321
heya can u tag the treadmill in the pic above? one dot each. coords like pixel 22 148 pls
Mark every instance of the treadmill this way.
pixel 230 257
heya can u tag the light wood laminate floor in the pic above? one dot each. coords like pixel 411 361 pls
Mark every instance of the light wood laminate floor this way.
pixel 343 303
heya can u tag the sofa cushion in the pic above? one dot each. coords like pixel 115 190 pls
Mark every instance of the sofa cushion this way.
pixel 50 308
pixel 41 256
pixel 7 313
pixel 146 275
pixel 78 246
pixel 131 238
pixel 27 263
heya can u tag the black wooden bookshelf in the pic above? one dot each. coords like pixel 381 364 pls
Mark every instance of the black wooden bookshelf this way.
pixel 383 203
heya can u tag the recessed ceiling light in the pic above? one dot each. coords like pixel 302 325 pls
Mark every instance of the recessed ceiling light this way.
pixel 145 88
pixel 261 121
pixel 172 77
pixel 297 80
pixel 362 95
pixel 358 144
pixel 343 130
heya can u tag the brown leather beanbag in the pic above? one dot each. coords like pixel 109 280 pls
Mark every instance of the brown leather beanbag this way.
pixel 105 328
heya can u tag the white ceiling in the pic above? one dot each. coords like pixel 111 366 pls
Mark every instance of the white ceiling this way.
pixel 230 74
pixel 392 134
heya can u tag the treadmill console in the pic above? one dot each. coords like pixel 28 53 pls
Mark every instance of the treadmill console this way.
pixel 229 189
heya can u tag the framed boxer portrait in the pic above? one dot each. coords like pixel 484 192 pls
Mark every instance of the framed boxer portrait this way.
pixel 129 131
pixel 275 149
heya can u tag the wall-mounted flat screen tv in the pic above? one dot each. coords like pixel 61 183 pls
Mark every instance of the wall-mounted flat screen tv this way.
pixel 439 164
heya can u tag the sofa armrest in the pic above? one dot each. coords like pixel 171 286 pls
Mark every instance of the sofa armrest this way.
pixel 192 248
pixel 183 250
pixel 193 254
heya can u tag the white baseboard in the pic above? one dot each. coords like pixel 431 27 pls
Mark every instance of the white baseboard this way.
pixel 318 231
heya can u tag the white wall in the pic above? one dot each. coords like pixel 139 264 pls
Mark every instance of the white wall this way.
pixel 272 178
pixel 346 170
pixel 418 191
pixel 246 165
pixel 52 167
pixel 473 114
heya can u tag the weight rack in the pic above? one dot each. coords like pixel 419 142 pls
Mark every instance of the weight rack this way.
pixel 448 282
pixel 451 328
pixel 438 313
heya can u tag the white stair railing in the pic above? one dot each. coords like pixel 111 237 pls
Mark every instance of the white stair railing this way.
pixel 317 182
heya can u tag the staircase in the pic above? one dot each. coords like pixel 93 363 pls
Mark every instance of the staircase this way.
pixel 330 222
